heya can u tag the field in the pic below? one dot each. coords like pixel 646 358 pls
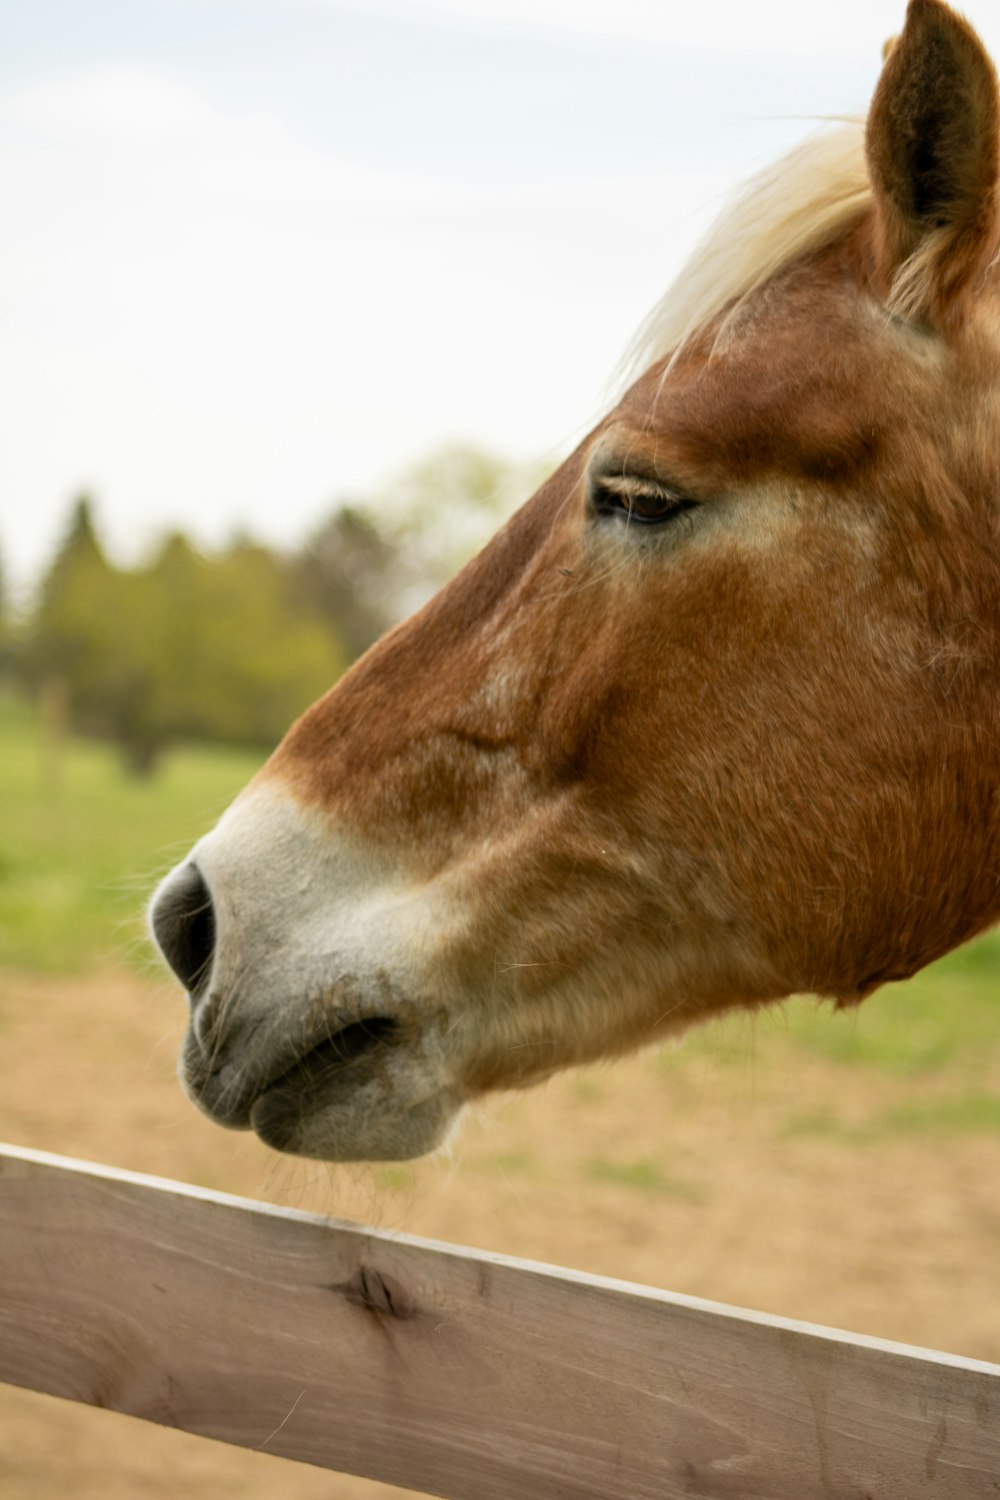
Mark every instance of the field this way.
pixel 839 1168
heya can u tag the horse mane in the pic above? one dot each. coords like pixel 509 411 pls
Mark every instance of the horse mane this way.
pixel 796 206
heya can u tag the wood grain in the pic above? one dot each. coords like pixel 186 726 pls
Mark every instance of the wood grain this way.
pixel 468 1375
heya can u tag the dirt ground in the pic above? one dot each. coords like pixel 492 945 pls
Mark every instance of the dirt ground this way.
pixel 689 1173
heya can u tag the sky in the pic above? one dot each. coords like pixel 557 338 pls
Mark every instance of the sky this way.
pixel 259 255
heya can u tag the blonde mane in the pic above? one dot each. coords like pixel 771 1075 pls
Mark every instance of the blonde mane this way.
pixel 797 205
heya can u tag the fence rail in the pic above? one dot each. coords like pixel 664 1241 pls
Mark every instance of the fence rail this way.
pixel 472 1376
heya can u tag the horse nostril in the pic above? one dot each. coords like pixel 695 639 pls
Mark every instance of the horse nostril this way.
pixel 183 923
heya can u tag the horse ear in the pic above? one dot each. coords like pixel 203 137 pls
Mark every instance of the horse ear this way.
pixel 933 146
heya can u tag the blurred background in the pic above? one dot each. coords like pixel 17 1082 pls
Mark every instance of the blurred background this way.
pixel 299 299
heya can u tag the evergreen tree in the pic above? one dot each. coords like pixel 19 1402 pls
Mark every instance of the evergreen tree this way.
pixel 74 622
pixel 186 647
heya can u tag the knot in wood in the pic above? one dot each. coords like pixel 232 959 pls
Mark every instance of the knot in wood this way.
pixel 371 1288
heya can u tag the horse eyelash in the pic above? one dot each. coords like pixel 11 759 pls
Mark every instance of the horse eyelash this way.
pixel 616 494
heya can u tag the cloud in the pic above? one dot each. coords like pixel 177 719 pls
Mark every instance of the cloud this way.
pixel 210 319
pixel 852 29
pixel 216 316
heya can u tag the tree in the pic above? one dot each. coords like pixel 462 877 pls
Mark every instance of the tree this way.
pixel 74 623
pixel 379 558
pixel 348 571
pixel 239 653
pixel 187 646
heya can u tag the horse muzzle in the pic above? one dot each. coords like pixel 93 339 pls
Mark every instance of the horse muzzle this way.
pixel 307 1024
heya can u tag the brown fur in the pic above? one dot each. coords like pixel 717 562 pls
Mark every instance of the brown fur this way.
pixel 655 774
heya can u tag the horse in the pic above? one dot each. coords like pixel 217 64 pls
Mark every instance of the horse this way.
pixel 713 720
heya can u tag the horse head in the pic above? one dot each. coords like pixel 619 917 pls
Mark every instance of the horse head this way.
pixel 713 720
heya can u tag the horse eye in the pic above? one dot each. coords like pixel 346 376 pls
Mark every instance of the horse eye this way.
pixel 637 500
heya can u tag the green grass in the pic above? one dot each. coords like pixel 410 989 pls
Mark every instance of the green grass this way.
pixel 79 858
pixel 397 1177
pixel 948 1014
pixel 914 1028
pixel 588 1089
pixel 642 1175
pixel 952 1114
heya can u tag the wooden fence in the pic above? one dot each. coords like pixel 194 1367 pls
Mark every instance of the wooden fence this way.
pixel 469 1375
